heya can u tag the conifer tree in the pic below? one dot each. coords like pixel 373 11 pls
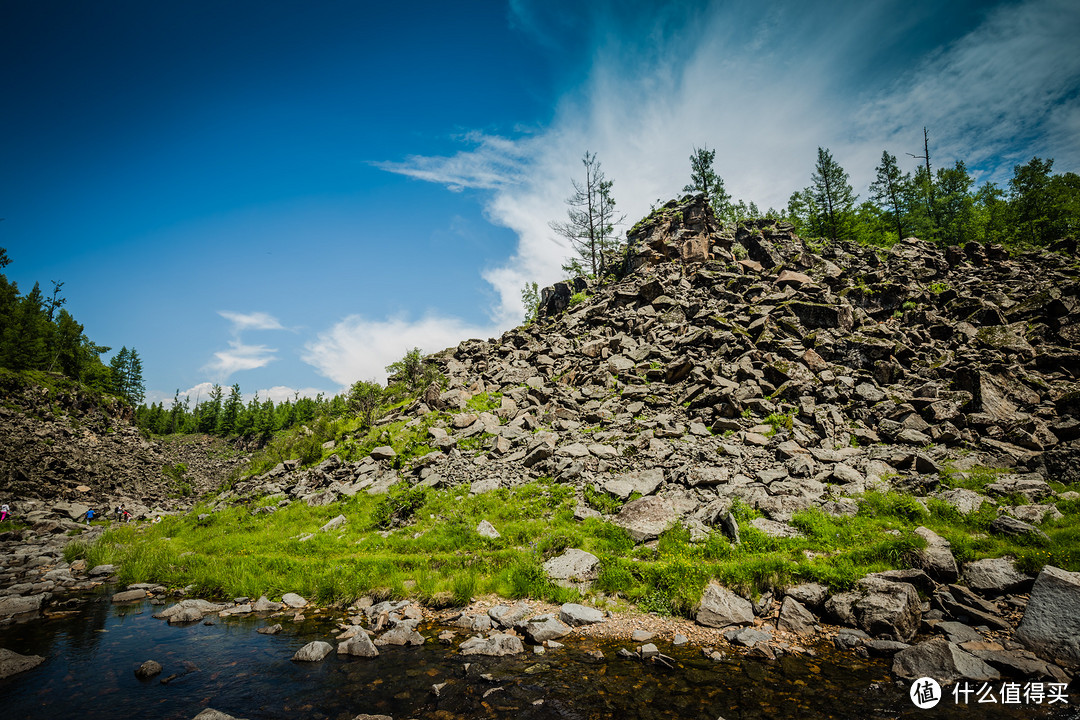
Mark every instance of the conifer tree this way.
pixel 704 180
pixel 833 193
pixel 887 191
pixel 591 222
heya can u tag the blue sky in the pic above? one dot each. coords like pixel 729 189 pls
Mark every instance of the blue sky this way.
pixel 289 195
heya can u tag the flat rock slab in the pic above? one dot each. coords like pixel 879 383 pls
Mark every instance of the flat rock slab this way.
pixel 644 482
pixel 12 662
pixel 130 596
pixel 943 661
pixel 16 605
pixel 212 714
pixel 496 645
pixel 575 615
pixel 1051 624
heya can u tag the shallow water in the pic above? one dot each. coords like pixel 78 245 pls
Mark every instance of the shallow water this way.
pixel 91 655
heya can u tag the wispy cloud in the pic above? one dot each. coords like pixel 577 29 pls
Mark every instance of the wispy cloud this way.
pixel 766 89
pixel 251 321
pixel 357 348
pixel 240 355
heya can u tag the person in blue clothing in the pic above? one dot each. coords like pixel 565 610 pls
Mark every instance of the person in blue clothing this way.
pixel 89 515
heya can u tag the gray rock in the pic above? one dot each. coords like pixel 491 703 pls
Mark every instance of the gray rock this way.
pixel 293 600
pixel 333 524
pixel 497 645
pixel 212 714
pixel 995 576
pixel 270 629
pixel 12 662
pixel 648 650
pixel 313 652
pixel 574 615
pixel 647 517
pixel 721 608
pixel 148 669
pixel 1051 624
pixel 747 637
pixel 402 634
pixel 879 606
pixel 486 529
pixel 965 501
pixel 642 636
pixel 943 661
pixel 129 596
pixel 1005 525
pixel 507 616
pixel 263 604
pixel 937 558
pixel 383 452
pixel 795 618
pixel 543 627
pixel 644 482
pixel 573 566
pixel 359 645
pixel 812 594
pixel 100 570
pixel 16 605
pixel 958 633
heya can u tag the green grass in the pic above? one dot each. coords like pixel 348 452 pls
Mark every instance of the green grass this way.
pixel 446 562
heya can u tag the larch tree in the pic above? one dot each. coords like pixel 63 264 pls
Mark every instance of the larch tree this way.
pixel 591 220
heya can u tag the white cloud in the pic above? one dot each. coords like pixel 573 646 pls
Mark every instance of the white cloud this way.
pixel 251 321
pixel 279 393
pixel 239 357
pixel 765 90
pixel 357 348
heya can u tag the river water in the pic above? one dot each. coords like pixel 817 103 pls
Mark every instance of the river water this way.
pixel 91 655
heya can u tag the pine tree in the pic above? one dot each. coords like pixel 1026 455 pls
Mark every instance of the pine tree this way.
pixel 833 193
pixel 887 191
pixel 704 180
pixel 230 413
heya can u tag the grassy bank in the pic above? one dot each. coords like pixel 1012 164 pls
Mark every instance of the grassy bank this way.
pixel 434 553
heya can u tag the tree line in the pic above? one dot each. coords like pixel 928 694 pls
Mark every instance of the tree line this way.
pixel 944 205
pixel 229 416
pixel 38 333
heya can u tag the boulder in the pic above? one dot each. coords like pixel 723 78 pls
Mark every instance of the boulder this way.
pixel 647 517
pixel 383 452
pixel 937 558
pixel 497 645
pixel 129 596
pixel 943 661
pixel 880 607
pixel 313 652
pixel 12 662
pixel 359 645
pixel 507 616
pixel 573 566
pixel 212 714
pixel 293 600
pixel 720 608
pixel 574 615
pixel 148 669
pixel 644 482
pixel 543 627
pixel 263 604
pixel 1051 624
pixel 995 576
pixel 16 604
pixel 795 618
pixel 402 634
pixel 487 530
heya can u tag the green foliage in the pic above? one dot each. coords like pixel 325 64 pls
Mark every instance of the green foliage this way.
pixel 530 301
pixel 602 501
pixel 413 371
pixel 704 180
pixel 398 507
pixel 577 298
pixel 779 421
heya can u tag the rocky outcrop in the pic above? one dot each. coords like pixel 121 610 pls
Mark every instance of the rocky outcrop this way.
pixel 720 608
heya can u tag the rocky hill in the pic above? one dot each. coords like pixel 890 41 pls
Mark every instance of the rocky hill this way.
pixel 64 445
pixel 749 363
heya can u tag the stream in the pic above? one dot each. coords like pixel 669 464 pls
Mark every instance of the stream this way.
pixel 91 655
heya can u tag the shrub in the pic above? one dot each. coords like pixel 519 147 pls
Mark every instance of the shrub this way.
pixel 398 507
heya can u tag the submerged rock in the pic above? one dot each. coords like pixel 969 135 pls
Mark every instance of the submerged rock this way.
pixel 496 645
pixel 12 662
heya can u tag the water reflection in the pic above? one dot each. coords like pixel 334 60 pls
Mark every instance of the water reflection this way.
pixel 92 654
